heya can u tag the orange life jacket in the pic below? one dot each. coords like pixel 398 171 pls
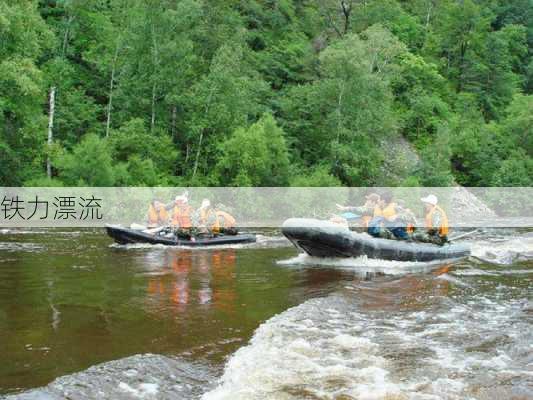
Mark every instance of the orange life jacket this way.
pixel 208 218
pixel 410 228
pixel 181 216
pixel 443 228
pixel 157 216
pixel 225 219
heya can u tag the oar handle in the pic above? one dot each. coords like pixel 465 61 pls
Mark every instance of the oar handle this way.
pixel 463 235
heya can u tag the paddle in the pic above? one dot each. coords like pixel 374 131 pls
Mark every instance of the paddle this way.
pixel 153 231
pixel 350 216
pixel 463 235
pixel 347 215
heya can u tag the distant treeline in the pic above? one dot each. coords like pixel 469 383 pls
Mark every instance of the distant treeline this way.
pixel 266 92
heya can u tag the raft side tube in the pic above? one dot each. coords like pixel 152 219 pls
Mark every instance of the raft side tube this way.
pixel 327 239
pixel 123 235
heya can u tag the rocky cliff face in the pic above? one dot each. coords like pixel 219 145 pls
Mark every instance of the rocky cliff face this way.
pixel 465 205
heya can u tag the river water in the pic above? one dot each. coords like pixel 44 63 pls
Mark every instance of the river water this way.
pixel 259 321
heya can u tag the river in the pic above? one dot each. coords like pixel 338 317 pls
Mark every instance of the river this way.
pixel 260 321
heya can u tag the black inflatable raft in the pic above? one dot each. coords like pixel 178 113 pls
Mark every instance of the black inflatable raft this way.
pixel 326 239
pixel 125 236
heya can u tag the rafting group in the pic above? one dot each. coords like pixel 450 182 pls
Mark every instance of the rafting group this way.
pixel 383 217
pixel 381 228
pixel 182 220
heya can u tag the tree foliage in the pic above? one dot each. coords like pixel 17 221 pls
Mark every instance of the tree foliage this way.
pixel 256 156
pixel 164 92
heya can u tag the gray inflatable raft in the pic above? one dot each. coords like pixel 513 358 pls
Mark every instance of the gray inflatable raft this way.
pixel 326 239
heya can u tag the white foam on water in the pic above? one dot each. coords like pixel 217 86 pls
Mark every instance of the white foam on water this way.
pixel 449 278
pixel 143 390
pixel 516 272
pixel 504 251
pixel 362 264
pixel 473 272
pixel 21 246
pixel 326 349
pixel 19 231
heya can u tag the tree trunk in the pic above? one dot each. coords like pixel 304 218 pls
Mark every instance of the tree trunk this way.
pixel 428 16
pixel 66 36
pixel 155 61
pixel 52 107
pixel 339 121
pixel 198 154
pixel 173 122
pixel 152 124
pixel 202 133
pixel 346 11
pixel 111 88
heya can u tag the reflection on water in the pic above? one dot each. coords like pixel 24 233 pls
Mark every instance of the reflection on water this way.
pixel 358 328
pixel 82 301
pixel 177 286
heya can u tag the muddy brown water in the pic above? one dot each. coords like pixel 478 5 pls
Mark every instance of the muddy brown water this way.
pixel 72 299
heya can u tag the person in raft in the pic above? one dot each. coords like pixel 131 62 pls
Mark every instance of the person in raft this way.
pixel 212 222
pixel 157 214
pixel 181 217
pixel 406 217
pixel 367 211
pixel 384 218
pixel 436 223
pixel 226 221
pixel 387 223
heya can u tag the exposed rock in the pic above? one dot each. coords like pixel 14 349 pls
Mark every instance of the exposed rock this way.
pixel 466 205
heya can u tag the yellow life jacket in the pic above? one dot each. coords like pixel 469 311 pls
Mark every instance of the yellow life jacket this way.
pixel 389 212
pixel 443 228
pixel 378 212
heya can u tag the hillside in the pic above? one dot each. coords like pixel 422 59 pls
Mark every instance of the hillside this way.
pixel 266 93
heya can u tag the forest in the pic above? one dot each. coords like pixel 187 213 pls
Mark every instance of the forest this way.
pixel 266 92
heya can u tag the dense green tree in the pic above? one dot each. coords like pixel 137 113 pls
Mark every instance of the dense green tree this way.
pixel 343 117
pixel 420 94
pixel 319 176
pixel 516 170
pixel 256 156
pixel 89 164
pixel 517 125
pixel 134 140
pixel 435 169
pixel 365 92
pixel 24 37
pixel 228 97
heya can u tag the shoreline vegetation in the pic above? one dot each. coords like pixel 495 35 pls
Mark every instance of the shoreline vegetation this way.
pixel 266 93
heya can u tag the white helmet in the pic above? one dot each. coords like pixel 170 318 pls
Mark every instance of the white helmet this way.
pixel 182 199
pixel 431 199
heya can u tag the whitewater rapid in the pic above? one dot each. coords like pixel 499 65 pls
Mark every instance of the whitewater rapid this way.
pixel 347 346
pixel 427 332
